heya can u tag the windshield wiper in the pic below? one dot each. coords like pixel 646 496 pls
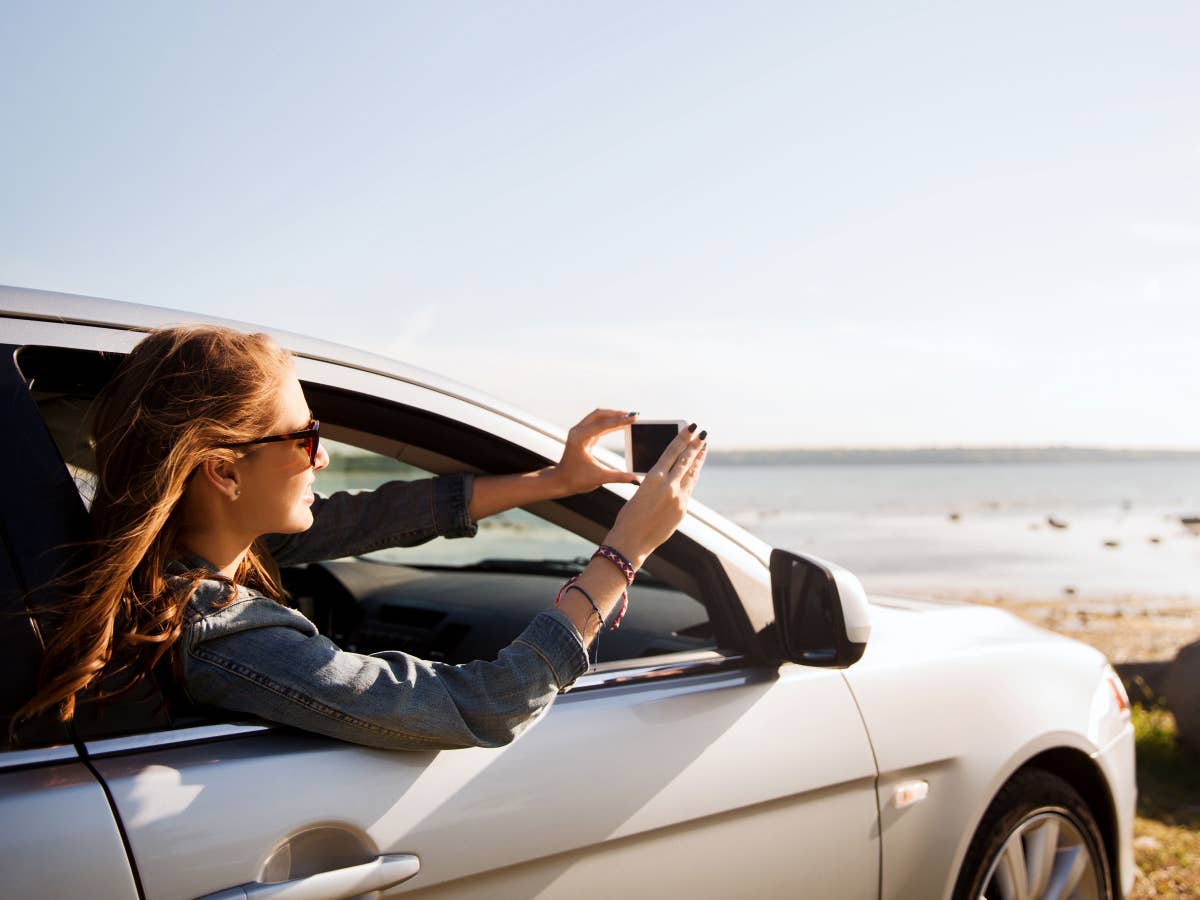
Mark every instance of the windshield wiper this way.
pixel 532 566
pixel 545 567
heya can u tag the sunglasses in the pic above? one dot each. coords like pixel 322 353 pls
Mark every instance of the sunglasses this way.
pixel 309 435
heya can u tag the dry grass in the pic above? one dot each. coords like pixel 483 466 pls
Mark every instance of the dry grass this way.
pixel 1168 860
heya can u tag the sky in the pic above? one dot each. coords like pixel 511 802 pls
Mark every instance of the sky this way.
pixel 801 225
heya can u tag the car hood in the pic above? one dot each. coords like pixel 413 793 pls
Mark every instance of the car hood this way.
pixel 909 628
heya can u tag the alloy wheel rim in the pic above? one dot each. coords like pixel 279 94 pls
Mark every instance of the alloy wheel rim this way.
pixel 1045 857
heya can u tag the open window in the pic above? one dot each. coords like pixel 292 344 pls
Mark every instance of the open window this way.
pixel 448 600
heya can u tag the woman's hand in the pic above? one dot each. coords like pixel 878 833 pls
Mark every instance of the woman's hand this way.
pixel 655 511
pixel 578 471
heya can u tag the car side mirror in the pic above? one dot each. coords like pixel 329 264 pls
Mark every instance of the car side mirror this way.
pixel 821 612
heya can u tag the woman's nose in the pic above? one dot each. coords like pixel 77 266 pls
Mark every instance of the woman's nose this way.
pixel 322 459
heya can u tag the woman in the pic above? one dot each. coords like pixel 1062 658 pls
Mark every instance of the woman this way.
pixel 206 453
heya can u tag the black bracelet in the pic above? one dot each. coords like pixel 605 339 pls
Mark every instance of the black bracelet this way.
pixel 575 587
pixel 571 585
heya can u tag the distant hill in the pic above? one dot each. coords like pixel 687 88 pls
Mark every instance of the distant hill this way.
pixel 846 456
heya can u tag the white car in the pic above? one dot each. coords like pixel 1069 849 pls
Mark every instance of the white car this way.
pixel 741 736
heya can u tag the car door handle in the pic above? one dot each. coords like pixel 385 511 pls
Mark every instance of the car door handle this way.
pixel 379 874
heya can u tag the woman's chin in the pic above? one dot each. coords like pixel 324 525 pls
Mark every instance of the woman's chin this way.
pixel 301 520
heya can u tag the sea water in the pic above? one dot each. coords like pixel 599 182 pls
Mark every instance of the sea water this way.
pixel 984 530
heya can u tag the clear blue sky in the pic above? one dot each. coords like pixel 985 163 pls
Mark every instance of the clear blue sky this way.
pixel 835 225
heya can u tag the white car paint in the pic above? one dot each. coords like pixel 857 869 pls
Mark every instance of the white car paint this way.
pixel 961 696
pixel 778 779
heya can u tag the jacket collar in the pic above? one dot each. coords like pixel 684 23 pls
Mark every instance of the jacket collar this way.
pixel 190 562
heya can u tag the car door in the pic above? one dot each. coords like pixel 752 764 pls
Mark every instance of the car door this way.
pixel 708 775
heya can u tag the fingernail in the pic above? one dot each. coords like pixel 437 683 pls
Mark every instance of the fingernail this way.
pixel 692 427
pixel 703 435
pixel 635 481
pixel 632 414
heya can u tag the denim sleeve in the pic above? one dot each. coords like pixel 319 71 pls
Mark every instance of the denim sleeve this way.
pixel 274 664
pixel 395 514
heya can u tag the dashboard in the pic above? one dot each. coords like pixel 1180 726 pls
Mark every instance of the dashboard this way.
pixel 456 615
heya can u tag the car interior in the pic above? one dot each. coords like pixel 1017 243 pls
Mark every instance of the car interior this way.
pixel 439 605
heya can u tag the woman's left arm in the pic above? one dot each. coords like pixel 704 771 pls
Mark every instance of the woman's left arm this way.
pixel 407 513
pixel 576 473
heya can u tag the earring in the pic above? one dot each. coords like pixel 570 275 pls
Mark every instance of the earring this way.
pixel 237 492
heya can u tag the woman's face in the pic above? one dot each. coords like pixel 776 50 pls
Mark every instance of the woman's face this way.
pixel 276 479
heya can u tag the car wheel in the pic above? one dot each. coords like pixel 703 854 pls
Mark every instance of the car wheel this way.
pixel 1037 839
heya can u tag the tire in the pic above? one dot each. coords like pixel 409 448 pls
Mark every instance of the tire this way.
pixel 1036 816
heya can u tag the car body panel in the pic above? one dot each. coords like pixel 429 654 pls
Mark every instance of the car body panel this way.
pixel 961 696
pixel 60 839
pixel 1117 760
pixel 600 770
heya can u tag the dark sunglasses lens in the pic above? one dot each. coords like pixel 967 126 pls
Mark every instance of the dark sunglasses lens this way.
pixel 314 441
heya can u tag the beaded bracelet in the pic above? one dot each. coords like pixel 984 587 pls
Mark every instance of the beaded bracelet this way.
pixel 615 557
pixel 627 570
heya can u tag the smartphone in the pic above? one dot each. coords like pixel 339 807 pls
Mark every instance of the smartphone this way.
pixel 646 440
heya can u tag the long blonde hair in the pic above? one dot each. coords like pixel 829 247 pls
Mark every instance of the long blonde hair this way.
pixel 179 398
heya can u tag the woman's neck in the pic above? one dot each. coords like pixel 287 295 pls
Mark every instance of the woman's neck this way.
pixel 206 529
pixel 224 552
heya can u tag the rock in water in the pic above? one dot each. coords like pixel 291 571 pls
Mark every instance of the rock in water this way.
pixel 1183 694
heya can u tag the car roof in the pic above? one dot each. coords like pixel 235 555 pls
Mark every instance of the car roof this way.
pixel 98 311
pixel 29 303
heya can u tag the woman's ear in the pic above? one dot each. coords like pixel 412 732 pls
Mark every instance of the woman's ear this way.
pixel 222 476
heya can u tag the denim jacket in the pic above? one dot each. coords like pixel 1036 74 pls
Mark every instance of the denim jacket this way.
pixel 253 655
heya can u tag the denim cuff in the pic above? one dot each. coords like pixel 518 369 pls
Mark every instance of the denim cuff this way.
pixel 451 501
pixel 554 636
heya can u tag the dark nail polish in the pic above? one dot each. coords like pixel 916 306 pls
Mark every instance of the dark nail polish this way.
pixel 635 481
pixel 703 435
pixel 692 427
pixel 632 414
